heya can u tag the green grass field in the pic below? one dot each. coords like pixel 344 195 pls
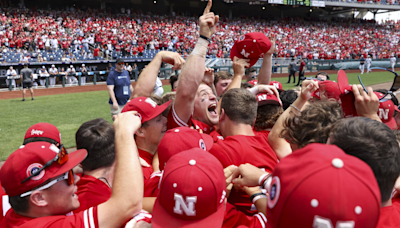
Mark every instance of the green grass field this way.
pixel 69 111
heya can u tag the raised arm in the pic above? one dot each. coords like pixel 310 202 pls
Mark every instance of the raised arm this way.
pixel 278 144
pixel 127 193
pixel 145 84
pixel 193 71
pixel 264 77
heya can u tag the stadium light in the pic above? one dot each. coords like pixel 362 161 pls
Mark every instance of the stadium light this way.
pixel 155 2
pixel 263 7
pixel 310 10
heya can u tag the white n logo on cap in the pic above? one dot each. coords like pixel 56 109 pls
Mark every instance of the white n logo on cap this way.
pixel 320 222
pixel 151 102
pixel 187 207
pixel 276 85
pixel 244 53
pixel 384 113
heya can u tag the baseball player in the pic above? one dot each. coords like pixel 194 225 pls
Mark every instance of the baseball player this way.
pixel 53 73
pixel 380 151
pixel 30 171
pixel 393 62
pixel 368 61
pixel 362 62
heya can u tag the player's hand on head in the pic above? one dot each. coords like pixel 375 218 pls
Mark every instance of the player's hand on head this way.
pixel 208 21
pixel 172 58
pixel 307 88
pixel 366 104
pixel 239 65
pixel 127 122
pixel 247 175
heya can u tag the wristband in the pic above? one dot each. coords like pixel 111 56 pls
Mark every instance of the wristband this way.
pixel 256 194
pixel 206 38
pixel 267 182
pixel 257 198
pixel 295 107
pixel 262 179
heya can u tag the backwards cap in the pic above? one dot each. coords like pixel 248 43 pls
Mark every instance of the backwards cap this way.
pixel 43 130
pixel 31 157
pixel 145 107
pixel 192 192
pixel 328 189
pixel 251 46
pixel 265 98
pixel 181 139
pixel 277 85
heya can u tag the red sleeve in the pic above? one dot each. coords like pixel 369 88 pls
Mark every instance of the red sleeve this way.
pixel 84 219
pixel 173 119
pixel 151 186
pixel 235 218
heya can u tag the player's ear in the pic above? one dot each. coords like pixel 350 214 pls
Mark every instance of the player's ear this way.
pixel 141 132
pixel 222 115
pixel 38 198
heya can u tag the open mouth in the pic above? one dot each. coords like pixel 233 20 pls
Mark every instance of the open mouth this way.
pixel 212 109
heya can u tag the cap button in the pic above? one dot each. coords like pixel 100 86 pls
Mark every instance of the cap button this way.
pixel 254 41
pixel 358 210
pixel 176 130
pixel 192 162
pixel 314 203
pixel 338 163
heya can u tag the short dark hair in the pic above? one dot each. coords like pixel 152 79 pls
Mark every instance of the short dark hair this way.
pixel 240 105
pixel 172 80
pixel 375 144
pixel 97 137
pixel 313 125
pixel 250 70
pixel 19 204
pixel 245 85
pixel 222 75
pixel 287 98
pixel 40 139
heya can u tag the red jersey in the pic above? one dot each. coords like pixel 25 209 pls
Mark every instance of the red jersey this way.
pixel 84 219
pixel 390 216
pixel 147 171
pixel 151 186
pixel 174 121
pixel 241 149
pixel 91 192
pixel 235 218
pixel 4 204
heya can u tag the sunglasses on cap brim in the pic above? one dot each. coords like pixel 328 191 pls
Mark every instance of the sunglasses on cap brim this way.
pixel 60 158
pixel 395 85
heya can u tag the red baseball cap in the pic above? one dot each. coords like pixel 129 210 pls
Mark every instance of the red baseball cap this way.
pixel 251 46
pixel 330 88
pixel 265 98
pixel 320 184
pixel 43 130
pixel 277 85
pixel 386 111
pixel 181 139
pixel 192 192
pixel 30 157
pixel 146 108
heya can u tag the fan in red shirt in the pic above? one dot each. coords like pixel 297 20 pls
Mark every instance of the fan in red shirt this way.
pixel 30 171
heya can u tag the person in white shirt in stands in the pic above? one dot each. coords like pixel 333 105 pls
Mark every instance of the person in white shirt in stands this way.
pixel 393 62
pixel 71 79
pixel 23 59
pixel 43 74
pixel 11 72
pixel 368 61
pixel 53 73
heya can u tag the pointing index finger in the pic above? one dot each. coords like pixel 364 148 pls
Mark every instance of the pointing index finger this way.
pixel 208 7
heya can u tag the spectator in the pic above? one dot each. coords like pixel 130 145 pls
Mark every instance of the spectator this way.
pixel 11 73
pixel 53 75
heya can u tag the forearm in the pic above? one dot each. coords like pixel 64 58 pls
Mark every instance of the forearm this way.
pixel 145 84
pixel 264 77
pixel 261 205
pixel 127 190
pixel 280 145
pixel 111 93
pixel 148 203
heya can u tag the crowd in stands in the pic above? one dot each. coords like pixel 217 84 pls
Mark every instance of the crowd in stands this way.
pixel 33 35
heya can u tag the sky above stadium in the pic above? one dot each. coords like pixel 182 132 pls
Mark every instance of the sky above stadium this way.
pixel 394 15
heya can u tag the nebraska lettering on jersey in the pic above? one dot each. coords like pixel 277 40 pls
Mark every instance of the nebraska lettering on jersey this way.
pixel 187 206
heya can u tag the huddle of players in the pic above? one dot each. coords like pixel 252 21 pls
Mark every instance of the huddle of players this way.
pixel 342 172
